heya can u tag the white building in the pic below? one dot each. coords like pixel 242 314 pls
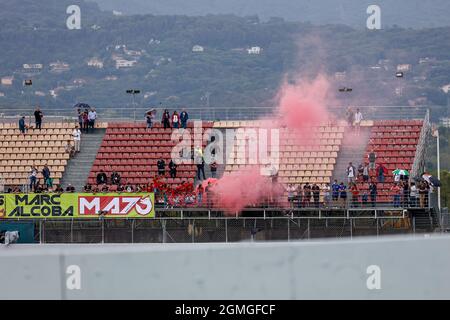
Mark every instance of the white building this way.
pixel 254 50
pixel 197 48
pixel 403 67
pixel 446 88
pixel 58 67
pixel 39 93
pixel 36 66
pixel 111 78
pixel 123 63
pixel 95 63
pixel 340 75
pixel 445 122
pixel 7 81
pixel 2 94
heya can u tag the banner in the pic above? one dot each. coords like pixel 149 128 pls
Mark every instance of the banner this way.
pixel 77 205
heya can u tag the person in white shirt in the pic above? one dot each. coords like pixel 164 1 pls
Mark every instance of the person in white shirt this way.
pixel 76 134
pixel 358 119
pixel 92 115
pixel 350 172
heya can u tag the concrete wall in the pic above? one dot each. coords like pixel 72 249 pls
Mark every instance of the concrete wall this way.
pixel 410 268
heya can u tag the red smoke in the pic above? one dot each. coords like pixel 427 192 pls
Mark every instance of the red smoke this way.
pixel 299 107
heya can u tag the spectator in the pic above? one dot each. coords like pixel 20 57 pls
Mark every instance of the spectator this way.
pixel 87 188
pixel 423 192
pixel 80 118
pixel 33 178
pixel 201 169
pixel 358 119
pixel 105 188
pixel 92 116
pixel 129 188
pixel 59 189
pixel 175 120
pixel 343 194
pixel 149 119
pixel 355 194
pixel 69 148
pixel 413 195
pixel 38 115
pixel 22 125
pixel 405 186
pixel 290 189
pixel 365 173
pixel 373 193
pixel 46 174
pixel 76 134
pixel 200 191
pixel 213 168
pixel 184 117
pixel 381 170
pixel 115 178
pixel 161 164
pixel 120 188
pixel 172 169
pixel 372 158
pixel 70 188
pixel 102 178
pixel 306 195
pixel 396 192
pixel 86 121
pixel 360 172
pixel 365 198
pixel 166 119
pixel 351 172
pixel 335 191
pixel 327 195
pixel 350 117
pixel 316 194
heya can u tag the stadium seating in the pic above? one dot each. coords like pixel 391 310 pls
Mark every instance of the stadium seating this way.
pixel 308 159
pixel 132 150
pixel 37 147
pixel 394 143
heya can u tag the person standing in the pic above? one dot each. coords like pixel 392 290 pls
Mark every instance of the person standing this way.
pixel 413 195
pixel 358 119
pixel 76 134
pixel 38 115
pixel 372 157
pixel 343 194
pixel 172 169
pixel 201 169
pixel 380 173
pixel 175 120
pixel 355 194
pixel 80 118
pixel 213 168
pixel 327 195
pixel 22 126
pixel 365 173
pixel 149 119
pixel 161 164
pixel 86 121
pixel 33 178
pixel 200 191
pixel 351 171
pixel 184 117
pixel 46 174
pixel 316 195
pixel 92 116
pixel 166 119
pixel 396 192
pixel 335 191
pixel 350 117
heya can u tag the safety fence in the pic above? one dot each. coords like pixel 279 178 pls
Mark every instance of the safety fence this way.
pixel 180 226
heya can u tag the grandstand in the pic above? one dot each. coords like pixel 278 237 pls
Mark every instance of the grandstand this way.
pixel 38 147
pixel 132 150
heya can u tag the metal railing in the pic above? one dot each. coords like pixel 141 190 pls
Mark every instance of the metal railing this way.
pixel 419 159
pixel 215 229
pixel 120 113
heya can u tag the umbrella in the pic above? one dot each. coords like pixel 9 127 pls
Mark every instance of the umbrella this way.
pixel 400 172
pixel 431 180
pixel 82 106
pixel 150 111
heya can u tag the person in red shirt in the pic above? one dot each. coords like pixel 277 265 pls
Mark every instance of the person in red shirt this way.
pixel 175 120
pixel 396 191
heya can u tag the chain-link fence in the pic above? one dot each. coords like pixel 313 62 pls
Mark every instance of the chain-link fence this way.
pixel 214 229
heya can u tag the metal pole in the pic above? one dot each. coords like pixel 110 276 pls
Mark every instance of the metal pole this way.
pixel 40 231
pixel 103 230
pixel 288 230
pixel 438 169
pixel 226 230
pixel 132 231
pixel 71 231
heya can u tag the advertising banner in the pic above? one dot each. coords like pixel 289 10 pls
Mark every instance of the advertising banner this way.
pixel 77 205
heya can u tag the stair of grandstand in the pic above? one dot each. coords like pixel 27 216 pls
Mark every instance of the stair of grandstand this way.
pixel 394 143
pixel 18 152
pixel 78 168
pixel 132 150
pixel 353 149
pixel 424 219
